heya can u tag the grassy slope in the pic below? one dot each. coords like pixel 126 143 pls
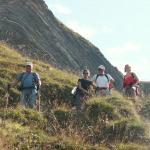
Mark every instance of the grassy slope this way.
pixel 55 83
pixel 108 123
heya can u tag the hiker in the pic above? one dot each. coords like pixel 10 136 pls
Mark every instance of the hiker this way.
pixel 83 90
pixel 29 86
pixel 130 82
pixel 102 81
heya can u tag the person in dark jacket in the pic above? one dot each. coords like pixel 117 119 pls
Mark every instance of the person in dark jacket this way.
pixel 83 90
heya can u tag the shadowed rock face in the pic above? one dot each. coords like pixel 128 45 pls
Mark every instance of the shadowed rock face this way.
pixel 31 27
pixel 146 87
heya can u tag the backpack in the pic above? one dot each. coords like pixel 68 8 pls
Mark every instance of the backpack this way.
pixel 137 87
pixel 74 90
pixel 34 80
pixel 138 90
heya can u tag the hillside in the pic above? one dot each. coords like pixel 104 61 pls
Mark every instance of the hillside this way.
pixel 31 27
pixel 145 87
pixel 110 123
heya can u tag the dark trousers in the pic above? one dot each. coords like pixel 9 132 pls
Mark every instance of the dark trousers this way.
pixel 79 101
pixel 129 91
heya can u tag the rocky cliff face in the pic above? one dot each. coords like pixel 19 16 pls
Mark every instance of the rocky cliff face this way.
pixel 31 27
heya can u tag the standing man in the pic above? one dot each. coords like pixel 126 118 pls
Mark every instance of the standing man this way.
pixel 29 85
pixel 102 81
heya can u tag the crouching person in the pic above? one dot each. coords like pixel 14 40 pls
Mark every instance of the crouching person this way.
pixel 29 85
pixel 83 90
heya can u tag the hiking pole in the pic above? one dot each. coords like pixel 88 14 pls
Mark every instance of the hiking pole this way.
pixel 7 96
pixel 7 100
pixel 39 100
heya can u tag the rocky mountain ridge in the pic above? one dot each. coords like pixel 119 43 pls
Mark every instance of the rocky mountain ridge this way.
pixel 28 25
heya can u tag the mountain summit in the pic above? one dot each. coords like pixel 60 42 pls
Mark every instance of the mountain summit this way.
pixel 31 27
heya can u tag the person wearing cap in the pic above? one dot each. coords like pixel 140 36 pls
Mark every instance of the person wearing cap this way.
pixel 102 82
pixel 29 85
pixel 130 82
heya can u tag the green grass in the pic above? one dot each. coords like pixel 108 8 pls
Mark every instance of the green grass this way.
pixel 131 147
pixel 14 135
pixel 97 108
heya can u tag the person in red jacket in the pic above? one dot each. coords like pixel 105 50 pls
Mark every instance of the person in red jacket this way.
pixel 130 82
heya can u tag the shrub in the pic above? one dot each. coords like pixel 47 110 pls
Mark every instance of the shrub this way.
pixel 131 146
pixel 124 130
pixel 99 109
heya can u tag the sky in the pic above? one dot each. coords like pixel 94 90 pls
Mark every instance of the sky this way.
pixel 119 28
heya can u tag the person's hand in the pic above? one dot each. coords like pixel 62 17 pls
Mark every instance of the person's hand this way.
pixel 136 85
pixel 84 91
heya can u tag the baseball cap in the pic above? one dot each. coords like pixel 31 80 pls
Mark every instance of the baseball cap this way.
pixel 101 67
pixel 29 64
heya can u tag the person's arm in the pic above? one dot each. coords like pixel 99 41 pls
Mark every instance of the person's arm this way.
pixel 91 89
pixel 93 79
pixel 39 82
pixel 111 79
pixel 38 79
pixel 15 82
pixel 135 78
pixel 12 84
pixel 93 84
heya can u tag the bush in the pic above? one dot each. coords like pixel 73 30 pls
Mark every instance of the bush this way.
pixel 124 130
pixel 24 116
pixel 99 109
pixel 63 116
pixel 123 108
pixel 131 147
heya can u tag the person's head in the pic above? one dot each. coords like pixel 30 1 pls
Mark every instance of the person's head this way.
pixel 86 73
pixel 127 68
pixel 29 67
pixel 101 69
